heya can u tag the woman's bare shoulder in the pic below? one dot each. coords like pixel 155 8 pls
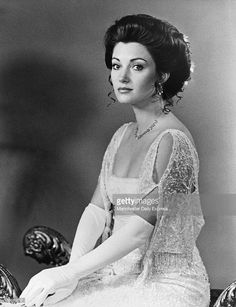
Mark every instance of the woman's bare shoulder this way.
pixel 176 124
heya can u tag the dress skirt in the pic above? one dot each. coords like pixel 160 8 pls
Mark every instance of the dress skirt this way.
pixel 171 290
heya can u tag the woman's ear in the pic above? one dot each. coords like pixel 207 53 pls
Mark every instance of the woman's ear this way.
pixel 164 77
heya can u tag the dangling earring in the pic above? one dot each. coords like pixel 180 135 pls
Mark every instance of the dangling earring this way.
pixel 158 91
pixel 158 95
pixel 158 88
pixel 111 93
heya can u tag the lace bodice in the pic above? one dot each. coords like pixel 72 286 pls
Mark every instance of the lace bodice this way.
pixel 167 269
pixel 172 246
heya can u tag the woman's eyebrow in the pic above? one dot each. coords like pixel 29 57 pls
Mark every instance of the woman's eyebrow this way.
pixel 132 60
pixel 135 59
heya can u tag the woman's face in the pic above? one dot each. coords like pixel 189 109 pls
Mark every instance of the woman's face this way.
pixel 133 73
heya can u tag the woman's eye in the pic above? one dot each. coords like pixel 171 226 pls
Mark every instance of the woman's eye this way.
pixel 115 66
pixel 138 67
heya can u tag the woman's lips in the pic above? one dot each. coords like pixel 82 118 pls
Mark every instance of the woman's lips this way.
pixel 124 90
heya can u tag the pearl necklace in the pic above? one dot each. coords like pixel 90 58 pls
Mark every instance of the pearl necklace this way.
pixel 138 136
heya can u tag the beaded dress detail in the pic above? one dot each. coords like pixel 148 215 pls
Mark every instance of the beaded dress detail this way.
pixel 167 271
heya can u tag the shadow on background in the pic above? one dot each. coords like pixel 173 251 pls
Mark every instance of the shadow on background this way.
pixel 41 102
pixel 42 112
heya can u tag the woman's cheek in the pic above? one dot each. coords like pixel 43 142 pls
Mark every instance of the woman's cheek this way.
pixel 148 88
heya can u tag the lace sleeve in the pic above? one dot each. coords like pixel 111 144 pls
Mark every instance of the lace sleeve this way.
pixel 179 215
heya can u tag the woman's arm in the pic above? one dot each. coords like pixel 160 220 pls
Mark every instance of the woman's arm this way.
pixel 138 229
pixel 97 197
pixel 90 227
pixel 122 242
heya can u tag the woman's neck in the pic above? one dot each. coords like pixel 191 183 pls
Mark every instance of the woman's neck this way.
pixel 145 116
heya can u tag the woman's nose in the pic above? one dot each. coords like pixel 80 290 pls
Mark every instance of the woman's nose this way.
pixel 124 76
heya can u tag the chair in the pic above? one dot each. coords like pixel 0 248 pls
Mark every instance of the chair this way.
pixel 9 288
pixel 228 297
pixel 46 245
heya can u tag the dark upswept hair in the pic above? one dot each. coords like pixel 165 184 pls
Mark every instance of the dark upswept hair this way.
pixel 167 46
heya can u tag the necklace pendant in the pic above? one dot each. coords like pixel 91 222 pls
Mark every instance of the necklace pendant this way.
pixel 138 136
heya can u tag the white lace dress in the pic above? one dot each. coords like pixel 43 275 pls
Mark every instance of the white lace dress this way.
pixel 167 271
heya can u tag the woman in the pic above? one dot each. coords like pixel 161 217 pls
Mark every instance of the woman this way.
pixel 151 258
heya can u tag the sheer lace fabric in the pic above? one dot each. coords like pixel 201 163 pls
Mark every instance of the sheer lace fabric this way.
pixel 172 246
pixel 167 270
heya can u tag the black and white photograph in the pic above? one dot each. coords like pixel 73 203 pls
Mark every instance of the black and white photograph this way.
pixel 117 153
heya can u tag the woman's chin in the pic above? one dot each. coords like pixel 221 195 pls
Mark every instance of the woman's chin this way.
pixel 125 101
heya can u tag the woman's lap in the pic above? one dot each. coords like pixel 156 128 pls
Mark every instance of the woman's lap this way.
pixel 121 291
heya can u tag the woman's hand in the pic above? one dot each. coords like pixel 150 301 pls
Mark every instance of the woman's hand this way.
pixel 49 286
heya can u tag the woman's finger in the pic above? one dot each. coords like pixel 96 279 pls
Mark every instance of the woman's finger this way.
pixel 38 300
pixel 59 295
